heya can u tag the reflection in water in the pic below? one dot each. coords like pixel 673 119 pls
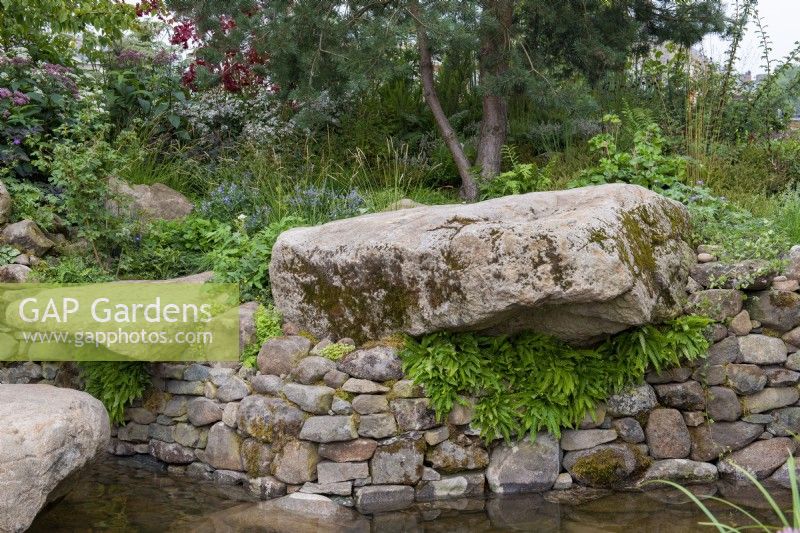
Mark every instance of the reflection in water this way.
pixel 114 496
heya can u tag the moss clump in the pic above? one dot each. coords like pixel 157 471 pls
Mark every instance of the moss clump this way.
pixel 155 400
pixel 342 395
pixel 308 335
pixel 641 236
pixel 357 299
pixel 784 299
pixel 604 468
pixel 598 236
pixel 392 341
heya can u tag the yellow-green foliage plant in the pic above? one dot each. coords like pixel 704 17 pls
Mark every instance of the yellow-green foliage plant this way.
pixel 268 321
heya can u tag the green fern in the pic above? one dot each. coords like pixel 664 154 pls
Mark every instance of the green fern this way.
pixel 532 382
pixel 116 384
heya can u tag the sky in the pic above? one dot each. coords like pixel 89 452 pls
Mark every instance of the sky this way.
pixel 782 19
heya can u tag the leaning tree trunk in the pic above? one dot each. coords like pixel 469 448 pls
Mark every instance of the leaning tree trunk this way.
pixel 493 65
pixel 469 189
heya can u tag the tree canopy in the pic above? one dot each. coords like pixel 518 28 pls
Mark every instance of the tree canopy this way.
pixel 306 47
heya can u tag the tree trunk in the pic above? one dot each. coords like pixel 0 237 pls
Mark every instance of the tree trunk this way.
pixel 469 189
pixel 493 65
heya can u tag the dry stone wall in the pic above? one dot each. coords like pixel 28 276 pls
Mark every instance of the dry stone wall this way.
pixel 362 434
pixel 359 432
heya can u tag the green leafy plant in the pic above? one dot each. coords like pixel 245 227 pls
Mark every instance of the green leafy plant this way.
pixel 72 269
pixel 31 201
pixel 336 351
pixel 521 178
pixel 8 254
pixel 645 165
pixel 244 259
pixel 736 232
pixel 532 382
pixel 268 322
pixel 115 383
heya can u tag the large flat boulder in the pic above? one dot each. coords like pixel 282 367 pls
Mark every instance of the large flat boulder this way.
pixel 577 264
pixel 47 434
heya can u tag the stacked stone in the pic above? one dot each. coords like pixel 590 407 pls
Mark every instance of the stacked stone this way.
pixel 360 433
pixel 354 430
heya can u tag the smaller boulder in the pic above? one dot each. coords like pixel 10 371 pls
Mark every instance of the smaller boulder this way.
pixel 351 451
pixel 377 426
pixel 312 369
pixel 203 411
pixel 667 434
pixel 760 458
pixel 383 498
pixel 530 465
pixel 604 466
pixel 741 324
pixel 683 471
pixel 581 439
pixel 380 363
pixel 14 273
pixel 762 350
pixel 688 396
pixel 5 204
pixel 770 398
pixel 452 456
pixel 223 448
pixel 717 304
pixel 398 462
pixel 632 402
pixel 414 414
pixel 296 463
pixel 26 237
pixel 750 274
pixel 629 430
pixel 329 429
pixel 746 379
pixel 723 405
pixel 777 310
pixel 314 399
pixel 152 202
pixel 280 355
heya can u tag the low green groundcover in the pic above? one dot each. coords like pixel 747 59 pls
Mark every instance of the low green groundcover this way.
pixel 532 382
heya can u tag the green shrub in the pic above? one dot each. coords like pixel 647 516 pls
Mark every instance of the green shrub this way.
pixel 72 269
pixel 736 231
pixel 521 178
pixel 31 201
pixel 115 383
pixel 245 260
pixel 168 249
pixel 646 164
pixel 532 382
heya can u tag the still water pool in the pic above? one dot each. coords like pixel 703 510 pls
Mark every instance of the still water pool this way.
pixel 123 495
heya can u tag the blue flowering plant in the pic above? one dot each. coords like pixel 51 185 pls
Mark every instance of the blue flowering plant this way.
pixel 236 201
pixel 320 204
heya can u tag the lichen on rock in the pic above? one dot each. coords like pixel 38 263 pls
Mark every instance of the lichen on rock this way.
pixel 578 264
